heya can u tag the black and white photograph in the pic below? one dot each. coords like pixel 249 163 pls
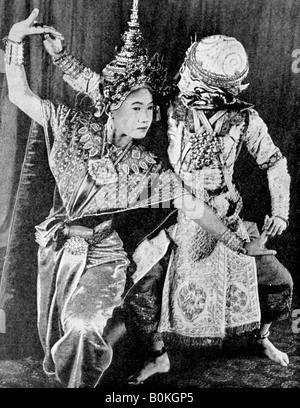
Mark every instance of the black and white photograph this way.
pixel 149 197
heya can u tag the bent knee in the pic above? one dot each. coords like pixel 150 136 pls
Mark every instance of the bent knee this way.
pixel 271 272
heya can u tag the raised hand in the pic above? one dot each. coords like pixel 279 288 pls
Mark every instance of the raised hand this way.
pixel 257 246
pixel 28 27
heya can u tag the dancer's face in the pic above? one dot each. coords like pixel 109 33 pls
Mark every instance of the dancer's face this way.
pixel 134 117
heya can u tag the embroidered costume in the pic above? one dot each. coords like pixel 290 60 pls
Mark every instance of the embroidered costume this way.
pixel 81 277
pixel 206 292
pixel 200 265
pixel 81 282
pixel 224 297
pixel 209 290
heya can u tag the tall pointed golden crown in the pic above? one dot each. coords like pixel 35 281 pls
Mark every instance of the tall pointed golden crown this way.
pixel 132 51
pixel 132 69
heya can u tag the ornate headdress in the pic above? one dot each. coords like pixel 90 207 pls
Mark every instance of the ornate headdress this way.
pixel 219 61
pixel 132 68
pixel 212 72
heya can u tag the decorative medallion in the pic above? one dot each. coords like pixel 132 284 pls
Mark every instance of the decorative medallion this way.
pixel 102 170
pixel 191 300
pixel 76 246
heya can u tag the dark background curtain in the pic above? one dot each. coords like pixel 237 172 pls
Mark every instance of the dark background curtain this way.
pixel 270 32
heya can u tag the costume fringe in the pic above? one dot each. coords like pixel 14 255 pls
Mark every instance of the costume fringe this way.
pixel 230 331
pixel 177 339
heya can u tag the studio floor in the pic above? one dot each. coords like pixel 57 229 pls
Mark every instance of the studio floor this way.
pixel 235 366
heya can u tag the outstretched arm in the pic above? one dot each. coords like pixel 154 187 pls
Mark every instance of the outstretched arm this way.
pixel 19 91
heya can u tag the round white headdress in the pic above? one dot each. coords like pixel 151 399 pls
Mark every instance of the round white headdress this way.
pixel 219 61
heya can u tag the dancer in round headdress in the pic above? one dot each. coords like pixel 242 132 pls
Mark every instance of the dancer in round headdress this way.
pixel 208 289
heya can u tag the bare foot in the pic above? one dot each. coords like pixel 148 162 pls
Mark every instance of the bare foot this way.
pixel 160 364
pixel 273 353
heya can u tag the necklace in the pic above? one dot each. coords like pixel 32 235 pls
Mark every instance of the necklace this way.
pixel 103 170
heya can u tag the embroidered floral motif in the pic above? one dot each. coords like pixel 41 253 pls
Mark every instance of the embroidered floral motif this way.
pixel 136 162
pixel 102 170
pixel 136 154
pixel 202 245
pixel 78 149
pixel 91 136
pixel 191 300
pixel 236 299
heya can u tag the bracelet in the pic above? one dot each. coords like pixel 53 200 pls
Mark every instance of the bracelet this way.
pixel 71 66
pixel 259 337
pixel 14 52
pixel 57 57
pixel 234 242
pixel 63 59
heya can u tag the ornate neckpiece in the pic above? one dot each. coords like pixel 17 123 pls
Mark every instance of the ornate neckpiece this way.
pixel 103 169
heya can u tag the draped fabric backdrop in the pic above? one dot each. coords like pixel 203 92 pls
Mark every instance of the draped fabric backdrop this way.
pixel 270 32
